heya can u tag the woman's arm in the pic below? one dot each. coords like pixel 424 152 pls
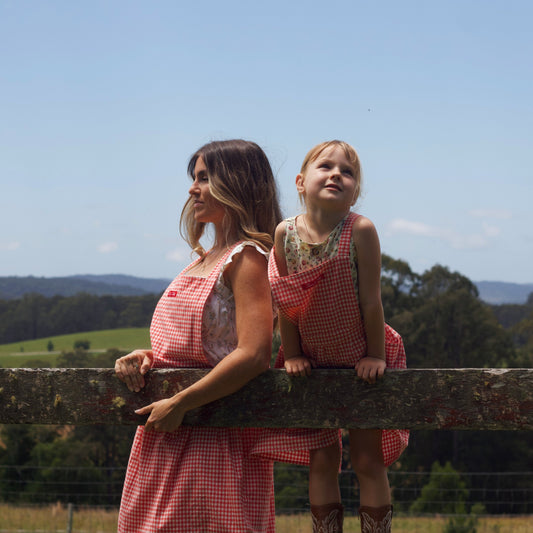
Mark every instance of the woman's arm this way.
pixel 247 276
pixel 366 241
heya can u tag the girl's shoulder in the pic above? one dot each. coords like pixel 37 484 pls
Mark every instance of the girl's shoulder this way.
pixel 360 221
pixel 284 224
pixel 363 229
pixel 284 228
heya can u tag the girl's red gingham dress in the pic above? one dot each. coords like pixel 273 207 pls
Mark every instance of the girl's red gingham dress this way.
pixel 323 302
pixel 196 479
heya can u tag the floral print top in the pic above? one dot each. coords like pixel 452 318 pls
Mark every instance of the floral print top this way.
pixel 301 255
pixel 219 332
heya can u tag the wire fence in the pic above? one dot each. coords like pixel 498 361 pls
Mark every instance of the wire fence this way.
pixel 497 492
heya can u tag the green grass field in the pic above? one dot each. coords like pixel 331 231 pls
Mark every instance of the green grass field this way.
pixel 54 519
pixel 21 354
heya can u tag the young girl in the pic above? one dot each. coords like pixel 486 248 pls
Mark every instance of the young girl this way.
pixel 216 314
pixel 325 277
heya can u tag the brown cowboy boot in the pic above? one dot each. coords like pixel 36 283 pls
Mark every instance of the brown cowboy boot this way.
pixel 376 519
pixel 327 518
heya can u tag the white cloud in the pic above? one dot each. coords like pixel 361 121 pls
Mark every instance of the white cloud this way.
pixel 9 246
pixel 400 225
pixel 107 247
pixel 179 255
pixel 491 231
pixel 456 240
pixel 500 214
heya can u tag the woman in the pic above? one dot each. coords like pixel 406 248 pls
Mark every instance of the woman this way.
pixel 217 313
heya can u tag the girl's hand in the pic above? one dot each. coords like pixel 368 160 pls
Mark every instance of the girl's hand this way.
pixel 370 368
pixel 298 366
pixel 132 367
pixel 165 415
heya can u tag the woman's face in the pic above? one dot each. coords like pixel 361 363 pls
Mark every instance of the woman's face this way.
pixel 206 208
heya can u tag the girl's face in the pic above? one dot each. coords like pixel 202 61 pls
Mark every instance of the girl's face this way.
pixel 206 208
pixel 329 181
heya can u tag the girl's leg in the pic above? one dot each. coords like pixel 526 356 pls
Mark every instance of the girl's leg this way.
pixel 324 493
pixel 324 475
pixel 367 462
pixel 375 509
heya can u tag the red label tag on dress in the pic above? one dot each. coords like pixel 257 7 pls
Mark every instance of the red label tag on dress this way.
pixel 172 294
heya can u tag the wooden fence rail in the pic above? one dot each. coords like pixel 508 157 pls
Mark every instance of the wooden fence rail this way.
pixel 470 399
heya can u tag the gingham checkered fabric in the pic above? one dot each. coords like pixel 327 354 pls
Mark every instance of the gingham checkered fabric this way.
pixel 196 479
pixel 323 302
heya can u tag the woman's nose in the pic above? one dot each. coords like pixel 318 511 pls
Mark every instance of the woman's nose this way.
pixel 193 189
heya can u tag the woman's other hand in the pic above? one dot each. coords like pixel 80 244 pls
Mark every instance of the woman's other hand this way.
pixel 164 415
pixel 132 367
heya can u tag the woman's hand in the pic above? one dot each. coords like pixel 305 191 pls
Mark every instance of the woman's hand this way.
pixel 298 366
pixel 165 415
pixel 370 368
pixel 132 367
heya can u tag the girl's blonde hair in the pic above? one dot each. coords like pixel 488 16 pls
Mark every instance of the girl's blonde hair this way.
pixel 241 179
pixel 349 152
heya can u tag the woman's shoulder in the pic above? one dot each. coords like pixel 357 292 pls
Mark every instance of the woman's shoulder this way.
pixel 247 256
pixel 245 249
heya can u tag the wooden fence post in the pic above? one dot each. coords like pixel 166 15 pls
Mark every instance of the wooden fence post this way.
pixel 70 512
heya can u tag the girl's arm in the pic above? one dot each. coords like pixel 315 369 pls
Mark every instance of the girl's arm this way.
pixel 296 364
pixel 247 276
pixel 366 241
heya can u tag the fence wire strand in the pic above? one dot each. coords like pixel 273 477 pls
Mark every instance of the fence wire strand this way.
pixel 497 492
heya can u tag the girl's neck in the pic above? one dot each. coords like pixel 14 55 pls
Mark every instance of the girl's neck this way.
pixel 317 224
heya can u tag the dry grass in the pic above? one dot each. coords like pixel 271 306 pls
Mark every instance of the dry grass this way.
pixel 522 524
pixel 53 519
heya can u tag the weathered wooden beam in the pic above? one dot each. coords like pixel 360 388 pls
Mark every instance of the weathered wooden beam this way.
pixel 471 399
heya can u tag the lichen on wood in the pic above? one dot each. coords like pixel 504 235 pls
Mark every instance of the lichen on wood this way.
pixel 487 399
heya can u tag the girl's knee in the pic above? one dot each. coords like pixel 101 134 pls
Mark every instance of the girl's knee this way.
pixel 366 454
pixel 326 459
pixel 368 465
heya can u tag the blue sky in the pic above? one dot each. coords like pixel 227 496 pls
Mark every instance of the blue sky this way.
pixel 103 102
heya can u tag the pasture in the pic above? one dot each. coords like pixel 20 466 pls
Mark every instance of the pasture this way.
pixel 24 353
pixel 53 519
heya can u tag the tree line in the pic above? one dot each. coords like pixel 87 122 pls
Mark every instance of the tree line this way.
pixel 443 322
pixel 438 313
pixel 35 316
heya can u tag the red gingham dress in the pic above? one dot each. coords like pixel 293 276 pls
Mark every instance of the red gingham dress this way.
pixel 196 479
pixel 323 302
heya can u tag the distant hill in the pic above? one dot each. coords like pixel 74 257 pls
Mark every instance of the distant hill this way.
pixel 13 287
pixel 499 292
pixel 148 285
